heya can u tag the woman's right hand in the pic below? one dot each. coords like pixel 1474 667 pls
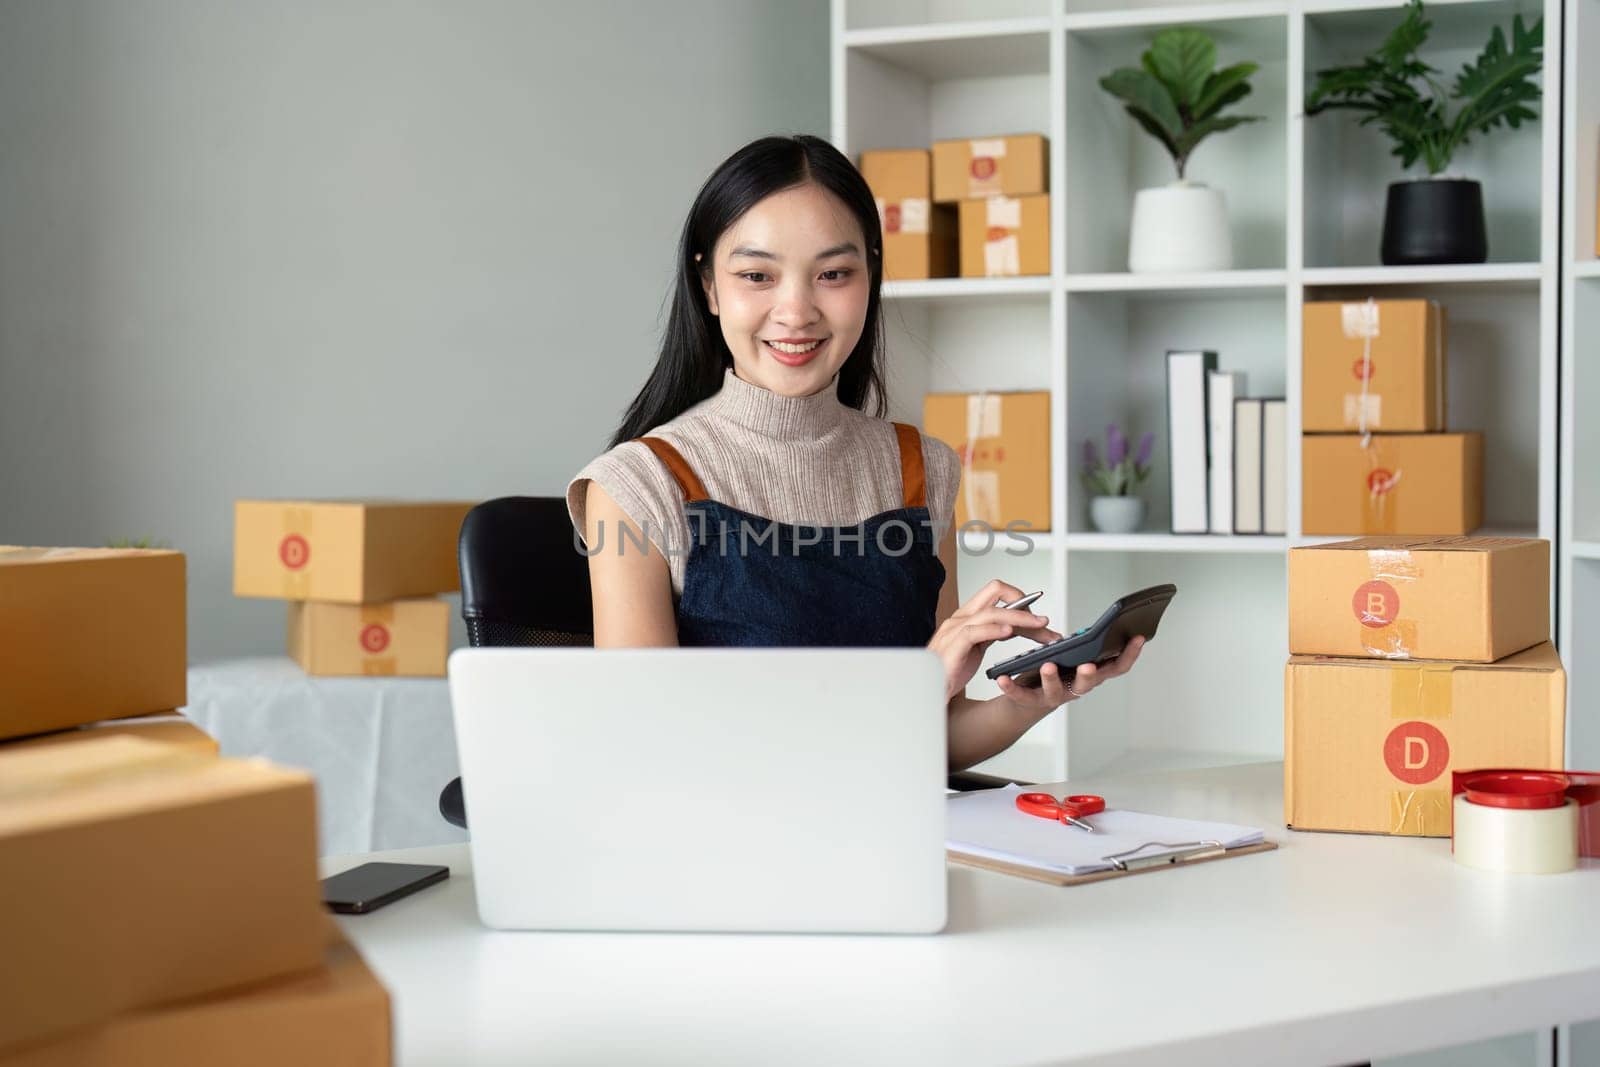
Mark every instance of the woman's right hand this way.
pixel 961 639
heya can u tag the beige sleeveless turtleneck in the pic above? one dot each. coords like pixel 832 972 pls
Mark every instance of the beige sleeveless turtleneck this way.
pixel 805 460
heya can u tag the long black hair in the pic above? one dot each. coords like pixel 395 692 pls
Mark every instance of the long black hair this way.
pixel 693 351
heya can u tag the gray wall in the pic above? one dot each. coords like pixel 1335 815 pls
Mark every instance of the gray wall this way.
pixel 353 248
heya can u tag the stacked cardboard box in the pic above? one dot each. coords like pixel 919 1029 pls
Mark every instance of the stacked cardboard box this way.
pixel 1376 455
pixel 1003 440
pixel 89 634
pixel 978 208
pixel 151 887
pixel 919 238
pixel 362 579
pixel 1410 658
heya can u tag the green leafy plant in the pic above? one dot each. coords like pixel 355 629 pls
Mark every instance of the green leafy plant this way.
pixel 1176 96
pixel 1400 94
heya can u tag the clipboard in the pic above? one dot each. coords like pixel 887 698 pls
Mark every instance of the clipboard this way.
pixel 1199 854
pixel 996 830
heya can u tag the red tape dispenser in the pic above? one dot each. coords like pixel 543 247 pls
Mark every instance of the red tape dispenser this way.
pixel 1524 821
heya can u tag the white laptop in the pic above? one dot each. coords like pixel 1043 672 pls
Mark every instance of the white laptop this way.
pixel 704 789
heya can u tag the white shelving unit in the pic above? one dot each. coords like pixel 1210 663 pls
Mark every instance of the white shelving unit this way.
pixel 1305 201
pixel 1578 548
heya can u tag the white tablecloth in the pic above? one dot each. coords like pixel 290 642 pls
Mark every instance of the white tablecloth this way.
pixel 381 748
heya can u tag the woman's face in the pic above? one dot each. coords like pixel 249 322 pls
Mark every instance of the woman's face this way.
pixel 789 286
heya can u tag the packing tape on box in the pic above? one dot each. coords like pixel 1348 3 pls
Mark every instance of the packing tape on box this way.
pixel 1380 504
pixel 380 613
pixel 1362 321
pixel 910 215
pixel 1421 691
pixel 1438 372
pixel 1002 251
pixel 296 538
pixel 983 172
pixel 1419 812
pixel 377 621
pixel 1380 603
pixel 980 490
pixel 914 214
pixel 1516 840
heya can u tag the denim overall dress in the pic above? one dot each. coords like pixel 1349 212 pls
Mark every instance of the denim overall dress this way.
pixel 751 581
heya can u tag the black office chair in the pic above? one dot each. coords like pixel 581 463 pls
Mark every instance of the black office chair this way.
pixel 524 583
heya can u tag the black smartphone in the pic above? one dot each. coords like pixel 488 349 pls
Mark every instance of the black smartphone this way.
pixel 1135 615
pixel 372 885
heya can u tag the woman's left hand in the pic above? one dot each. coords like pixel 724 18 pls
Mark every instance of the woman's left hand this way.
pixel 1054 692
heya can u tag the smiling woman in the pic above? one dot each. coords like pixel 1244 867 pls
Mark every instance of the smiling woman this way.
pixel 750 498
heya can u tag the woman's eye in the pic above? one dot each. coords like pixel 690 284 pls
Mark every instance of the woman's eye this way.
pixel 839 275
pixel 754 276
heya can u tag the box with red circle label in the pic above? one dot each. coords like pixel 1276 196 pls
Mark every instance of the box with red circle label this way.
pixel 1477 599
pixel 345 551
pixel 1373 365
pixel 90 634
pixel 1403 483
pixel 1005 237
pixel 1369 744
pixel 410 638
pixel 978 168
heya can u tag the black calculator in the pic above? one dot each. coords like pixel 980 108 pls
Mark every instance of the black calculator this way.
pixel 1135 615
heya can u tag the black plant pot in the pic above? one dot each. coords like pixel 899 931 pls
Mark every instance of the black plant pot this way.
pixel 1435 220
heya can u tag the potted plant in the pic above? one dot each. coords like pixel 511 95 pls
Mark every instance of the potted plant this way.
pixel 1111 480
pixel 1437 218
pixel 1177 98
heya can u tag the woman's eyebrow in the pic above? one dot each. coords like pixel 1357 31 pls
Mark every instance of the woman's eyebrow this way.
pixel 846 248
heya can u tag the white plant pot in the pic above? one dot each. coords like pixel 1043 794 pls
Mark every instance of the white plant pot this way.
pixel 1116 514
pixel 1180 227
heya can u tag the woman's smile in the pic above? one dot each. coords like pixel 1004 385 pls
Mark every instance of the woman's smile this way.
pixel 794 353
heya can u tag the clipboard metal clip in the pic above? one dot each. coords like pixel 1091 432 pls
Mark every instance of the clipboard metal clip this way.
pixel 1192 850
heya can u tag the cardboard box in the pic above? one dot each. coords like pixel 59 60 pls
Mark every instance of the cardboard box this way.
pixel 1477 599
pixel 919 240
pixel 1384 359
pixel 1003 440
pixel 1369 745
pixel 141 873
pixel 403 637
pixel 345 551
pixel 898 173
pixel 90 634
pixel 337 1015
pixel 171 729
pixel 1018 165
pixel 1396 484
pixel 1003 237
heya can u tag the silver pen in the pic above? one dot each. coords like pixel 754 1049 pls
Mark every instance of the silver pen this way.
pixel 1021 602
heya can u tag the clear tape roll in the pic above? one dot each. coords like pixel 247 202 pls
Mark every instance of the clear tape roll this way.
pixel 1516 840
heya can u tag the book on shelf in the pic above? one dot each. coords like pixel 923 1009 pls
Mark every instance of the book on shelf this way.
pixel 1187 374
pixel 1247 465
pixel 1223 387
pixel 1275 466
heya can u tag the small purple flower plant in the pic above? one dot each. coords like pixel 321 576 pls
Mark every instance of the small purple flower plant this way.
pixel 1118 474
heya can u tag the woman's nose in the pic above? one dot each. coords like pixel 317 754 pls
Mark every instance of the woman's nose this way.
pixel 796 305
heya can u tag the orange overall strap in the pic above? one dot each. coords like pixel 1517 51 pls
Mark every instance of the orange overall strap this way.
pixel 912 479
pixel 687 481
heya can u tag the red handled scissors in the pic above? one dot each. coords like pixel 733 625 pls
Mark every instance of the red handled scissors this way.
pixel 1070 810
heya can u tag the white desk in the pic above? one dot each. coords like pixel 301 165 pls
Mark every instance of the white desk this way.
pixel 1332 949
